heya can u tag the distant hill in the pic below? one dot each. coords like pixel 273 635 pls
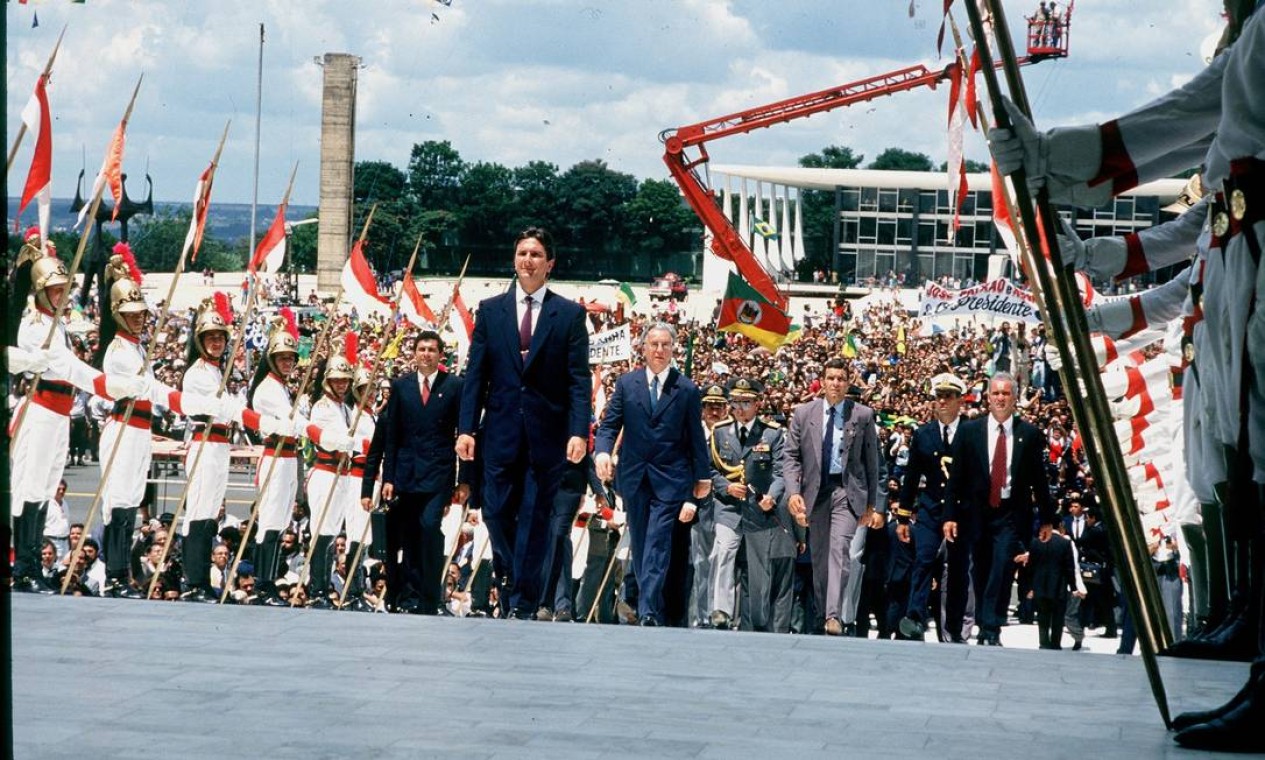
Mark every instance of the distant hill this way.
pixel 227 221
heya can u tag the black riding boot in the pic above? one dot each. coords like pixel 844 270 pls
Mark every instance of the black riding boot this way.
pixel 318 574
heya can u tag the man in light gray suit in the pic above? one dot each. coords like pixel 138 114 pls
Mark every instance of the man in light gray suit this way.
pixel 830 468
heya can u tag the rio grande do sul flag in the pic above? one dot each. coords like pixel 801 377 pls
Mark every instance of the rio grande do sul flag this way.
pixel 747 312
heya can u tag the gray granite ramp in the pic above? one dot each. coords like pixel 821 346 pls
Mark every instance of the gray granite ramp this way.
pixel 105 678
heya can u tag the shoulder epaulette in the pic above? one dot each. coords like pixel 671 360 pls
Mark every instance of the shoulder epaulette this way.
pixel 722 423
pixel 771 423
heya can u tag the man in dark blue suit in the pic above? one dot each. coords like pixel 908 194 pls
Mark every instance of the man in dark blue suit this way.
pixel 922 508
pixel 997 481
pixel 663 461
pixel 527 397
pixel 419 467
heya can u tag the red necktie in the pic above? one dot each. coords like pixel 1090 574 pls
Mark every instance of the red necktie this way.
pixel 524 328
pixel 998 469
pixel 425 391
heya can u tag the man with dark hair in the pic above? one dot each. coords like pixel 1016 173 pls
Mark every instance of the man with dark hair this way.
pixel 419 469
pixel 830 470
pixel 527 397
pixel 922 512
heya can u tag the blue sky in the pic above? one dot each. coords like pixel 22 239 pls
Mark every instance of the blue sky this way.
pixel 511 81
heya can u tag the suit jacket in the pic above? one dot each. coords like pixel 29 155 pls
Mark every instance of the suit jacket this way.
pixel 801 461
pixel 667 447
pixel 1053 568
pixel 923 489
pixel 374 457
pixel 539 401
pixel 418 442
pixel 970 477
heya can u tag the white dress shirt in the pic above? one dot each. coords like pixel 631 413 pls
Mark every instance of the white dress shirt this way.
pixel 1009 426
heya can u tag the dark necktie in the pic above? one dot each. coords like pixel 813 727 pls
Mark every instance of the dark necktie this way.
pixel 998 470
pixel 828 446
pixel 524 327
pixel 654 393
pixel 944 435
pixel 742 436
pixel 425 391
pixel 1077 525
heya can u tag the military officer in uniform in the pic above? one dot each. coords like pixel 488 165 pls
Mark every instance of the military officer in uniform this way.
pixel 747 482
pixel 703 531
pixel 921 513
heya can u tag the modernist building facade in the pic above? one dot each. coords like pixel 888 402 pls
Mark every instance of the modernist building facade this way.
pixel 899 225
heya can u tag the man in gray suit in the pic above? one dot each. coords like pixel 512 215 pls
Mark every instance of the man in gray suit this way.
pixel 830 468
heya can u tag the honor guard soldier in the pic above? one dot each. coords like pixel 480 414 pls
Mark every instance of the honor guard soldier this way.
pixel 747 483
pixel 355 514
pixel 328 490
pixel 921 512
pixel 209 441
pixel 126 441
pixel 269 395
pixel 40 445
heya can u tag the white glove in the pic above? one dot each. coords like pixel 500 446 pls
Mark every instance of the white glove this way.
pixel 1071 247
pixel 1112 318
pixel 198 405
pixel 333 440
pixel 21 361
pixel 270 426
pixel 119 387
pixel 1019 147
pixel 232 407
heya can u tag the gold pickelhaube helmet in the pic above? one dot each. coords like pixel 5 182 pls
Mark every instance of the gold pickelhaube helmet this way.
pixel 337 368
pixel 124 277
pixel 46 269
pixel 283 338
pixel 362 384
pixel 214 315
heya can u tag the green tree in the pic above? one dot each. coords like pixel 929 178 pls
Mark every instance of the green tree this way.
pixel 302 247
pixel 535 196
pixel 657 220
pixel 591 196
pixel 487 203
pixel 157 240
pixel 971 166
pixel 899 159
pixel 435 174
pixel 377 181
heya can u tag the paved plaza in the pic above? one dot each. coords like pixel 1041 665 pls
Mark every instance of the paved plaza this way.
pixel 107 678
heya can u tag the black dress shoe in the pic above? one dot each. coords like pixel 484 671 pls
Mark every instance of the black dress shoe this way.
pixel 913 629
pixel 1195 717
pixel 648 621
pixel 518 615
pixel 1234 642
pixel 1076 646
pixel 200 595
pixel 1236 730
pixel 26 585
pixel 321 602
